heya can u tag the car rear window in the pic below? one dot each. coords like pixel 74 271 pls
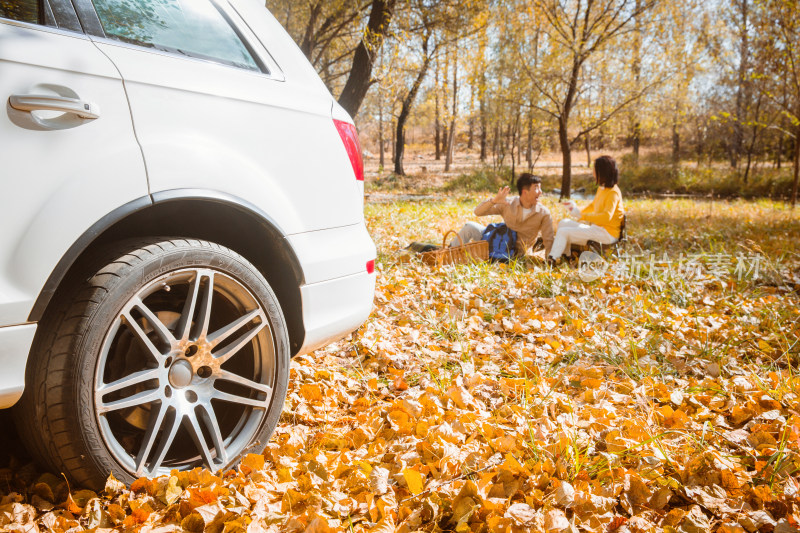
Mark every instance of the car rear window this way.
pixel 193 28
pixel 21 10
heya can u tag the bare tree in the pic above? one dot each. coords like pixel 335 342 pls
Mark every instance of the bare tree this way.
pixel 437 23
pixel 575 31
pixel 451 140
pixel 360 77
pixel 407 104
pixel 328 32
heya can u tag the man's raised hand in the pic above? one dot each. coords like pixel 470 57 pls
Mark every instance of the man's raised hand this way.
pixel 501 195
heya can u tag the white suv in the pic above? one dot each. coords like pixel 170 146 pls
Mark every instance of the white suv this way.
pixel 183 212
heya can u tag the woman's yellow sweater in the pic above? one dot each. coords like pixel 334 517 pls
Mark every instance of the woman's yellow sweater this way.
pixel 606 210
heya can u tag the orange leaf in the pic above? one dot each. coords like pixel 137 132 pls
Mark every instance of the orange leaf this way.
pixel 252 462
pixel 137 517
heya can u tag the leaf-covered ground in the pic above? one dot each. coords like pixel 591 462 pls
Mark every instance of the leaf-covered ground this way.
pixel 664 396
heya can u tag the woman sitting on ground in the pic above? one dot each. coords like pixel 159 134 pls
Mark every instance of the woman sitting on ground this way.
pixel 599 221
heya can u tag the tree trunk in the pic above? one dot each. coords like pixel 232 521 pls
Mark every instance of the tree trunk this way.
pixel 288 20
pixel 400 144
pixel 637 77
pixel 676 145
pixel 360 78
pixel 394 142
pixel 566 159
pixel 496 148
pixel 699 148
pixel 518 130
pixel 482 110
pixel 796 165
pixel 563 130
pixel 742 94
pixel 513 134
pixel 676 139
pixel 747 167
pixel 405 111
pixel 451 141
pixel 637 141
pixel 587 145
pixel 309 39
pixel 437 124
pixel 750 155
pixel 380 136
pixel 529 147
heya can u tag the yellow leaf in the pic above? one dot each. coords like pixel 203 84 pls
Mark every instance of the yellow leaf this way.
pixel 553 343
pixel 252 462
pixel 414 481
pixel 174 491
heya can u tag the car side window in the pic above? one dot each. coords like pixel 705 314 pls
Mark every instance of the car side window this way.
pixel 193 28
pixel 22 10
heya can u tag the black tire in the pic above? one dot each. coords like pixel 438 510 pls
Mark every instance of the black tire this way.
pixel 216 369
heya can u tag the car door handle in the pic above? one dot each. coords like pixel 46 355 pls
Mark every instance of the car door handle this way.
pixel 46 102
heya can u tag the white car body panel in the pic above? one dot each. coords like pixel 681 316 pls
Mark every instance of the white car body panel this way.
pixel 14 340
pixel 334 308
pixel 212 126
pixel 62 184
pixel 333 253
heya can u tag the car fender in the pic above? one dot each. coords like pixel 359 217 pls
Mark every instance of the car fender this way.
pixel 81 198
pixel 215 167
pixel 118 215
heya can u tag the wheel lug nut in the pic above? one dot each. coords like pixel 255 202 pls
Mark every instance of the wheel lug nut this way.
pixel 204 371
pixel 191 350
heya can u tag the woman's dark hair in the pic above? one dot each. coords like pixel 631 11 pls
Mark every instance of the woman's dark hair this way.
pixel 606 169
pixel 525 180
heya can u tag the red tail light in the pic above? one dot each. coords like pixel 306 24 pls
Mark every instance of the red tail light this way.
pixel 349 137
pixel 370 266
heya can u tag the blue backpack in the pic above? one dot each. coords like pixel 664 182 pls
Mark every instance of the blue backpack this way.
pixel 502 242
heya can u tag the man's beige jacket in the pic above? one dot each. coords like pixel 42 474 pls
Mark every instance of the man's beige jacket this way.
pixel 527 228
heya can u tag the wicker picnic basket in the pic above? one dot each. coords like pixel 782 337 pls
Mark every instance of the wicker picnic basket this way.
pixel 472 252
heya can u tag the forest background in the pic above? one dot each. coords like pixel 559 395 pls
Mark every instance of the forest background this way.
pixel 694 97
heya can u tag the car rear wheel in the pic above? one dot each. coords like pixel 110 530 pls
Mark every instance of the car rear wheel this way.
pixel 173 355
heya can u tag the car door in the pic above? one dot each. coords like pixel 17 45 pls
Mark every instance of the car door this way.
pixel 213 111
pixel 68 154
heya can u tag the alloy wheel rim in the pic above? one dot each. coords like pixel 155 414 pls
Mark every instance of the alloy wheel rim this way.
pixel 190 357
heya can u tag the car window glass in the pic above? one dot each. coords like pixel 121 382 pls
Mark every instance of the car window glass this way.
pixel 190 27
pixel 21 10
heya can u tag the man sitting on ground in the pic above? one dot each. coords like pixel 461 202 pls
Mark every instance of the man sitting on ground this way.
pixel 523 214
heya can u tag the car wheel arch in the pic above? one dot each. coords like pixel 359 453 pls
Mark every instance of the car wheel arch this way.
pixel 199 214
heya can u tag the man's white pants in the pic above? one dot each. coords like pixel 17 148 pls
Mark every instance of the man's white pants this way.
pixel 471 231
pixel 571 232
